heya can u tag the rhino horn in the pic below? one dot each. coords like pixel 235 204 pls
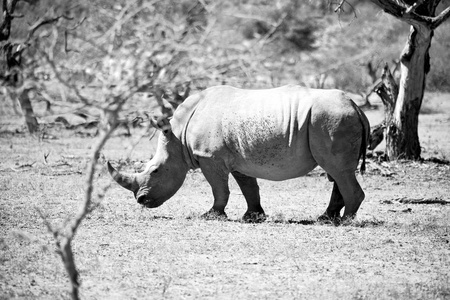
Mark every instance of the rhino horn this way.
pixel 125 180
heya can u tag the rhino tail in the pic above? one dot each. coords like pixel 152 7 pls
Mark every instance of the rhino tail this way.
pixel 363 150
pixel 365 135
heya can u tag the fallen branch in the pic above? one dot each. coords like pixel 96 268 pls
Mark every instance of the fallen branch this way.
pixel 27 165
pixel 407 210
pixel 405 200
pixel 435 200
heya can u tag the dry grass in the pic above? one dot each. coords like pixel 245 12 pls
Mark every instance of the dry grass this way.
pixel 393 250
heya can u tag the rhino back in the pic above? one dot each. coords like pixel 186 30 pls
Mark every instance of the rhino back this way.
pixel 255 132
pixel 260 133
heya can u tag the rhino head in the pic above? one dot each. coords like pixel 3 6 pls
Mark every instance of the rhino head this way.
pixel 163 175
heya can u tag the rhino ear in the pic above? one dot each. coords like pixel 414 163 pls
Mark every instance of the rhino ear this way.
pixel 161 123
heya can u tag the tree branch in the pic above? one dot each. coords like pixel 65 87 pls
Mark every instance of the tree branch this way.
pixel 274 28
pixel 78 24
pixel 388 89
pixel 13 6
pixel 41 22
pixel 414 6
pixel 339 6
pixel 390 7
pixel 66 83
pixel 443 16
pixel 404 14
pixel 65 234
pixel 86 206
pixel 8 16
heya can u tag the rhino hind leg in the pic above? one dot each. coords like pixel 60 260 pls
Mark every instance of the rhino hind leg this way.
pixel 351 192
pixel 337 152
pixel 250 190
pixel 333 212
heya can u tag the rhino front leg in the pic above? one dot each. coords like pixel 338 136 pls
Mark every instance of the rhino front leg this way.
pixel 217 178
pixel 250 190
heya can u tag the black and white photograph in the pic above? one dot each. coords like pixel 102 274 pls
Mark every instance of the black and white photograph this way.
pixel 235 149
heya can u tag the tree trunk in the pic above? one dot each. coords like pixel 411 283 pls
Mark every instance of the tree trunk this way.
pixel 402 103
pixel 27 110
pixel 402 139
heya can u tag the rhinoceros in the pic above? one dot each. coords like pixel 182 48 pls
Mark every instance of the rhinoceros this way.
pixel 274 134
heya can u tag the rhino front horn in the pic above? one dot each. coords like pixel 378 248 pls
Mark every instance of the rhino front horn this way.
pixel 125 180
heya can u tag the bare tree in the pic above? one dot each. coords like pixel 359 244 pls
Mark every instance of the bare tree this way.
pixel 403 100
pixel 142 47
pixel 10 74
pixel 18 47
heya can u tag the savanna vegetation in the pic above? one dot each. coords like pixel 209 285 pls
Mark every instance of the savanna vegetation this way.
pixel 85 78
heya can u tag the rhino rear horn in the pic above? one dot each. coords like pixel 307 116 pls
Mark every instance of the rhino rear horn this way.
pixel 125 180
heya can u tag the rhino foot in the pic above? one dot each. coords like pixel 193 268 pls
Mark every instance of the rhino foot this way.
pixel 335 219
pixel 254 217
pixel 213 214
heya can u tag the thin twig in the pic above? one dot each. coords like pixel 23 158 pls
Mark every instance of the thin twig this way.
pixel 63 81
pixel 272 31
pixel 339 6
pixel 41 22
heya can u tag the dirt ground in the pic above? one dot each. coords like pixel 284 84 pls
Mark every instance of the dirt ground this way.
pixel 397 248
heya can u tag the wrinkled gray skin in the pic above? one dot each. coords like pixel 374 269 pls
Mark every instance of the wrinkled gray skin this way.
pixel 275 134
